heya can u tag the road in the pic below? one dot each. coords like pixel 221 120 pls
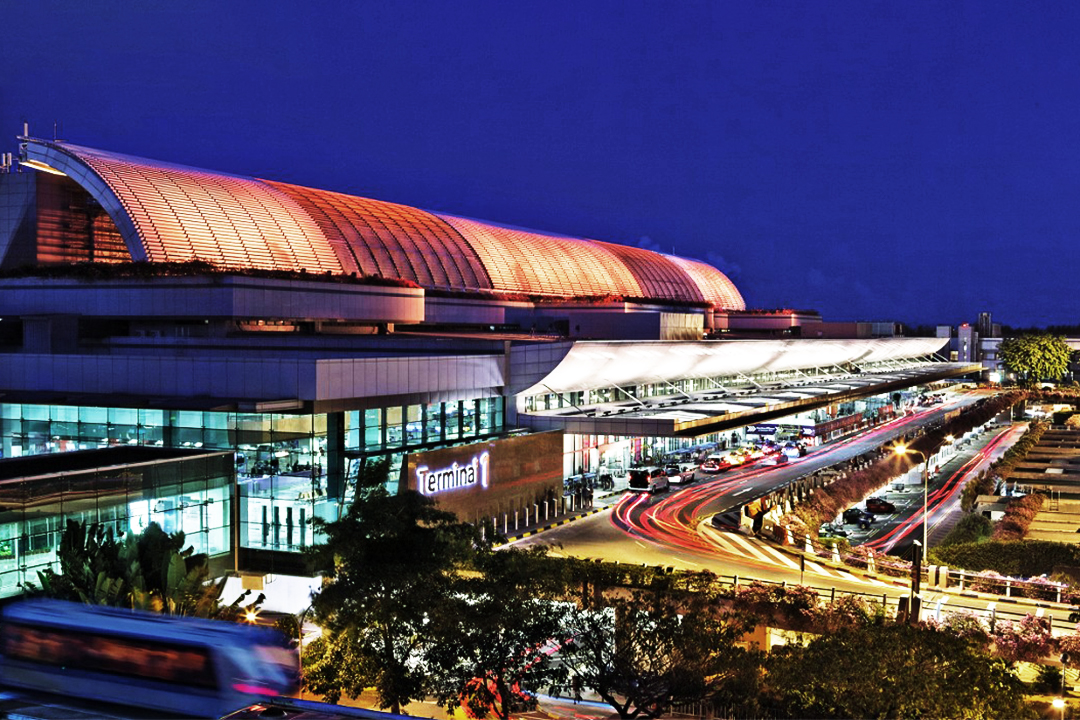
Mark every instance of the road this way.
pixel 672 530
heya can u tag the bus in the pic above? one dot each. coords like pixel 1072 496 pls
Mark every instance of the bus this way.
pixel 292 709
pixel 175 665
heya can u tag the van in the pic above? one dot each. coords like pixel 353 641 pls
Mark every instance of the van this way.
pixel 650 479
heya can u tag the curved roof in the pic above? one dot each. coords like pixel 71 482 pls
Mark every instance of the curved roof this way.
pixel 617 363
pixel 168 212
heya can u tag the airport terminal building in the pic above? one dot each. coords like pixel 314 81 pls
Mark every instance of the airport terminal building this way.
pixel 301 333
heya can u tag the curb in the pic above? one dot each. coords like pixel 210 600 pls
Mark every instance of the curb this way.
pixel 564 521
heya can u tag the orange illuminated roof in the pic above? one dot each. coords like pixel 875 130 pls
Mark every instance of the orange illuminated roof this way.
pixel 168 212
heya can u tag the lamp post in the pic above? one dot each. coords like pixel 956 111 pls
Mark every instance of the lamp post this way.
pixel 300 648
pixel 904 450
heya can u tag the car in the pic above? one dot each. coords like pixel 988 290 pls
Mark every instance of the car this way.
pixel 879 505
pixel 687 473
pixel 831 530
pixel 794 450
pixel 715 464
pixel 776 458
pixel 858 516
pixel 672 469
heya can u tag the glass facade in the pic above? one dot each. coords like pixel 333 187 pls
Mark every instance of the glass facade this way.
pixel 285 469
pixel 192 495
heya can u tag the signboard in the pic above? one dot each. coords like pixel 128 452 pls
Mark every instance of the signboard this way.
pixel 489 478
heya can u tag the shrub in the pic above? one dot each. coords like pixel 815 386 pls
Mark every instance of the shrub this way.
pixel 1018 516
pixel 1029 640
pixel 971 528
pixel 1020 558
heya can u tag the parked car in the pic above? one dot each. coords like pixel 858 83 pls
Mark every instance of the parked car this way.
pixel 858 516
pixel 831 530
pixel 879 505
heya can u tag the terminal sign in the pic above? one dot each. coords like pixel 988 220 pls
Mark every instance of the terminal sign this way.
pixel 474 472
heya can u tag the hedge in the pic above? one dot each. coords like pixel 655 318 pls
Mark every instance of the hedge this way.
pixel 1015 558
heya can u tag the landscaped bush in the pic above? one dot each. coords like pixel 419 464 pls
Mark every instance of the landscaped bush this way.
pixel 1018 516
pixel 848 611
pixel 1028 640
pixel 967 625
pixel 796 604
pixel 970 528
pixel 988 581
pixel 1017 558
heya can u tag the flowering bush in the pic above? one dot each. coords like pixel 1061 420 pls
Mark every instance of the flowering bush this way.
pixel 967 625
pixel 988 581
pixel 1039 588
pixel 848 611
pixel 1028 640
pixel 796 604
pixel 1018 516
pixel 1069 645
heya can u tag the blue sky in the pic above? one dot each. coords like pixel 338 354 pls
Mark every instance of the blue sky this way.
pixel 903 161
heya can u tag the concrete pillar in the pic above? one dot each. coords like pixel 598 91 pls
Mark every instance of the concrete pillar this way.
pixel 335 454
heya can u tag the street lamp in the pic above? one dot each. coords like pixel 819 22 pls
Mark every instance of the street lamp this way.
pixel 904 450
pixel 1059 703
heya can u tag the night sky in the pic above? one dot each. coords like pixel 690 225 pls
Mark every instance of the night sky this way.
pixel 874 161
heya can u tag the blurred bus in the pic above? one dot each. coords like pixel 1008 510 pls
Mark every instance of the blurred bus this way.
pixel 178 665
pixel 291 709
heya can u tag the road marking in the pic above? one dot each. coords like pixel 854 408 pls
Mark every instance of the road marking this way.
pixel 740 540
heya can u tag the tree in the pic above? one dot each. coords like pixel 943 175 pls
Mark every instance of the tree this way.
pixel 152 570
pixel 891 671
pixel 387 563
pixel 643 651
pixel 1036 357
pixel 500 631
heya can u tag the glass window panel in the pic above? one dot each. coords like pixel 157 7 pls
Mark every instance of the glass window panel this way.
pixel 373 427
pixel 433 422
pixel 64 413
pixel 394 427
pixel 36 412
pixel 414 428
pixel 187 419
pixel 123 416
pixel 353 428
pixel 453 421
pixel 468 418
pixel 93 415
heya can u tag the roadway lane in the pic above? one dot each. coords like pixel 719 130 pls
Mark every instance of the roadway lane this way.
pixel 672 530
